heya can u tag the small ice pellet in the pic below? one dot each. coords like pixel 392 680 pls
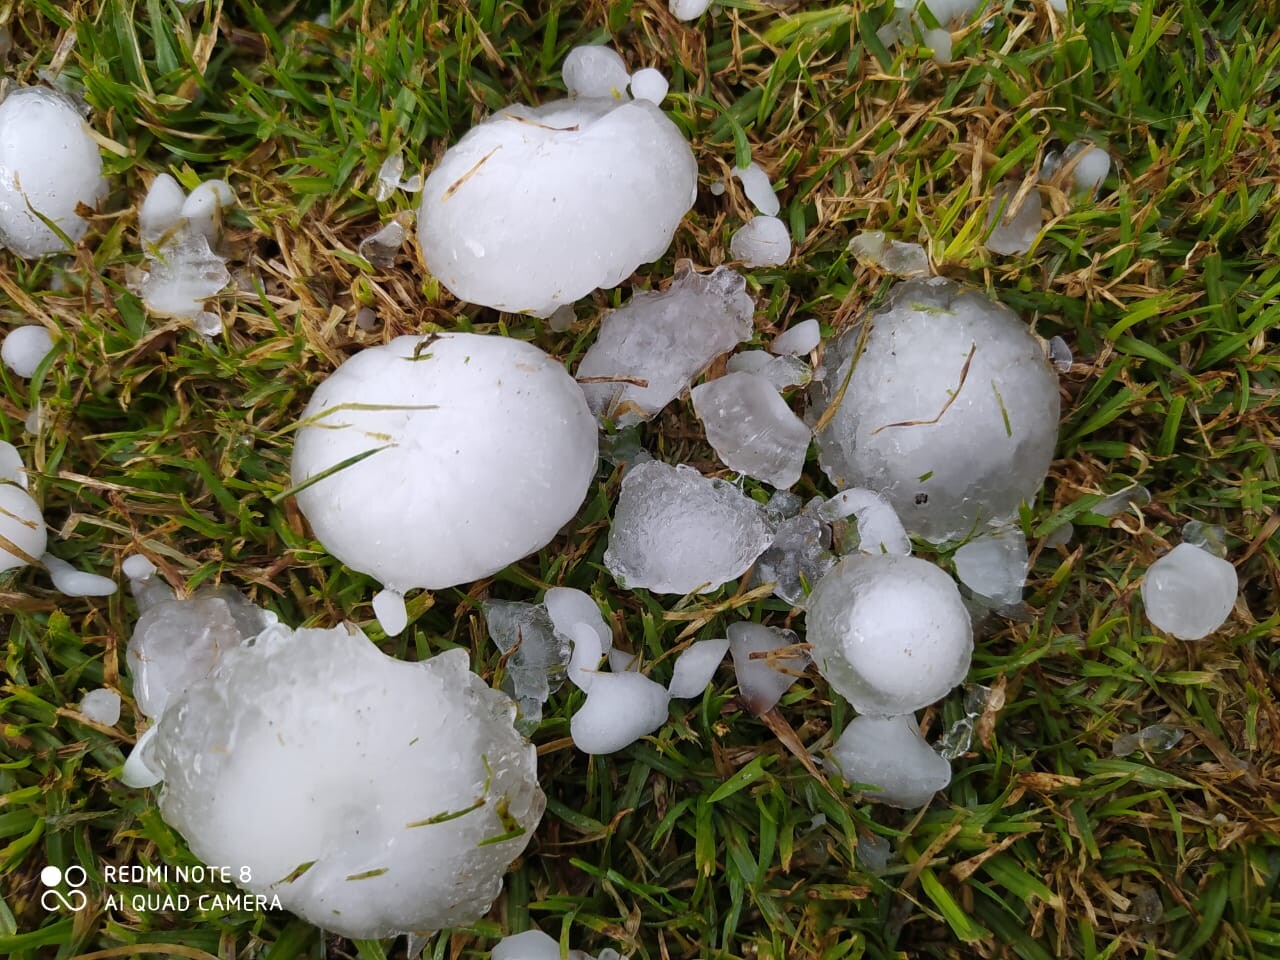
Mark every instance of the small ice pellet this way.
pixel 25 348
pixel 137 567
pixel 756 185
pixel 161 208
pixel 717 188
pixel 939 41
pixel 797 340
pixel 1060 355
pixel 1091 168
pixel 71 582
pixel 649 84
pixel 389 609
pixel 101 706
pixel 695 668
pixel 762 242
pixel 688 9
pixel 593 70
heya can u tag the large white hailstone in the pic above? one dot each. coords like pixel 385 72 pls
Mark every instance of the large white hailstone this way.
pixel 665 340
pixel 620 709
pixel 440 461
pixel 538 206
pixel 951 412
pixel 23 536
pixel 695 667
pixel 595 71
pixel 762 242
pixel 888 753
pixel 371 795
pixel 676 531
pixel 752 429
pixel 798 339
pixel 890 633
pixel 1189 593
pixel 25 348
pixel 49 163
pixel 688 9
pixel 762 682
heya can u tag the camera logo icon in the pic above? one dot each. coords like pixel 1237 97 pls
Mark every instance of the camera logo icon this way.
pixel 53 898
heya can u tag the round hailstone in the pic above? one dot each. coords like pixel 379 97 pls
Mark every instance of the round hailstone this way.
pixel 22 525
pixel 762 242
pixel 101 706
pixel 595 71
pixel 890 633
pixel 688 9
pixel 951 413
pixel 436 462
pixel 536 207
pixel 25 348
pixel 1189 592
pixel 372 796
pixel 649 84
pixel 49 163
pixel 889 753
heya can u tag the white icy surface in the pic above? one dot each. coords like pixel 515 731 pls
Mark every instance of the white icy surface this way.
pixel 759 190
pixel 101 706
pixel 623 661
pixel 1013 229
pixel 798 339
pixel 530 945
pixel 649 84
pixel 752 429
pixel 595 71
pixel 393 780
pixel 688 9
pixel 137 567
pixel 25 347
pixel 994 565
pixel 620 709
pixel 1189 593
pixel 49 163
pixel 161 208
pixel 695 667
pixel 890 633
pixel 71 582
pixel 879 527
pixel 493 428
pixel 665 339
pixel 951 412
pixel 763 681
pixel 176 643
pixel 676 531
pixel 12 469
pixel 22 525
pixel 761 242
pixel 570 608
pixel 889 753
pixel 585 656
pixel 536 207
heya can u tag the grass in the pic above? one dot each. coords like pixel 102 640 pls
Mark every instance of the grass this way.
pixel 709 839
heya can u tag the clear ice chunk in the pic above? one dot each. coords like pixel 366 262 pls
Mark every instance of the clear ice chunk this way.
pixel 1013 229
pixel 695 668
pixel 797 558
pixel 619 710
pixel 676 531
pixel 1189 593
pixel 889 755
pixel 752 429
pixel 389 174
pixel 664 339
pixel 890 633
pixel 1208 537
pixel 880 529
pixel 537 654
pixel 994 565
pixel 892 256
pixel 763 679
pixel 761 242
pixel 782 372
pixel 381 246
pixel 1060 355
pixel 1135 495
pixel 799 339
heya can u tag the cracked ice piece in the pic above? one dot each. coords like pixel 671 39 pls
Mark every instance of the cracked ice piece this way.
pixel 879 527
pixel 25 348
pixel 782 372
pixel 593 70
pixel 476 451
pixel 177 643
pixel 537 654
pixel 21 526
pixel 389 175
pixel 798 340
pixel 71 582
pixel 888 753
pixel 892 256
pixel 183 274
pixel 799 556
pixel 101 706
pixel 538 206
pixel 951 412
pixel 994 565
pixel 889 633
pixel 1189 593
pixel 752 429
pixel 676 531
pixel 761 680
pixel 371 795
pixel 620 709
pixel 756 185
pixel 49 163
pixel 1013 230
pixel 665 339
pixel 762 242
pixel 649 84
pixel 695 668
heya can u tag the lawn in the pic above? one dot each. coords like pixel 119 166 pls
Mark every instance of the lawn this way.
pixel 712 838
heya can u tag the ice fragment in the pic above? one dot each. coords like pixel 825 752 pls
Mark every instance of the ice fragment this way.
pixel 695 668
pixel 797 340
pixel 889 755
pixel 1013 228
pixel 994 565
pixel 1189 592
pixel 25 348
pixel 620 709
pixel 752 429
pixel 762 680
pixel 71 582
pixel 763 242
pixel 101 706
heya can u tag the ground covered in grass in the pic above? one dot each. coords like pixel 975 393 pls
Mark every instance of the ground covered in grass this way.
pixel 712 838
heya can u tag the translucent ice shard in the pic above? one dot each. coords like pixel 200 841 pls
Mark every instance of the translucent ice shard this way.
pixel 1206 536
pixel 372 796
pixel 663 340
pixel 620 709
pixel 797 558
pixel 889 755
pixel 381 246
pixel 752 429
pixel 798 339
pixel 761 242
pixel 756 185
pixel 951 412
pixel 25 348
pixel 762 680
pixel 879 527
pixel 892 256
pixel 388 180
pixel 1060 355
pixel 695 667
pixel 676 531
pixel 889 633
pixel 1134 495
pixel 536 654
pixel 994 565
pixel 783 372
pixel 1013 228
pixel 1189 592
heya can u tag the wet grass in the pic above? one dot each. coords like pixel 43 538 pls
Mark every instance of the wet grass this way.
pixel 709 839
